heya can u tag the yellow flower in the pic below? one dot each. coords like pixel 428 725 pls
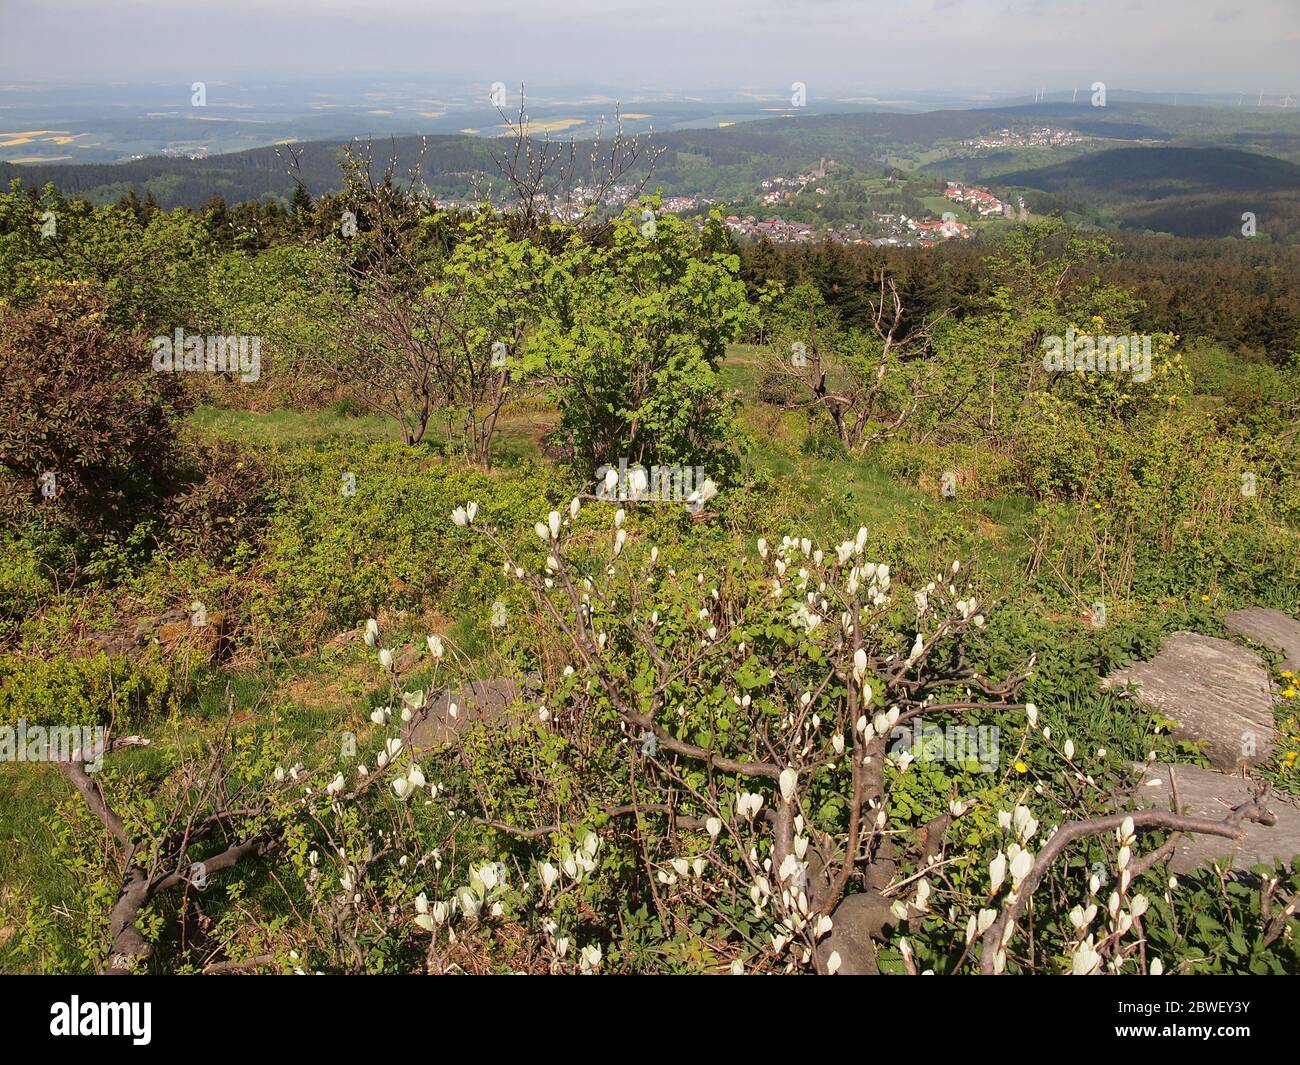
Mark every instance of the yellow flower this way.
pixel 1205 599
pixel 1291 756
pixel 1289 693
pixel 1021 767
pixel 1288 674
pixel 1096 506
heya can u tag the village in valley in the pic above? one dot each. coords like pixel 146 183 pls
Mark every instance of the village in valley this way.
pixel 1041 137
pixel 882 228
pixel 826 202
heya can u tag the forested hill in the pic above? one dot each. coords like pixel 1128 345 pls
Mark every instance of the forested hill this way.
pixel 751 147
pixel 1183 191
pixel 720 161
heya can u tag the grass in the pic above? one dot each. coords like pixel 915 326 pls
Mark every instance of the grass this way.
pixel 287 429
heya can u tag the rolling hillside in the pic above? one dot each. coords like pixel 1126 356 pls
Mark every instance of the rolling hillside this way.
pixel 1190 192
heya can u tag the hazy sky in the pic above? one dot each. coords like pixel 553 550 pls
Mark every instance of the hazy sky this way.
pixel 868 46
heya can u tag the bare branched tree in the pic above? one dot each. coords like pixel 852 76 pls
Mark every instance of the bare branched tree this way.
pixel 868 395
pixel 415 340
pixel 547 181
pixel 213 823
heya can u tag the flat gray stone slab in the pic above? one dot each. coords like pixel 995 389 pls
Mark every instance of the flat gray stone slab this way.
pixel 1271 628
pixel 1205 793
pixel 1218 692
pixel 477 701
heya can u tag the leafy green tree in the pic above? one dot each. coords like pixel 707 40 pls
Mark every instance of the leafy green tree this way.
pixel 632 338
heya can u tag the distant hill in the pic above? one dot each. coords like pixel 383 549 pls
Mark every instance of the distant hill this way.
pixel 711 161
pixel 1189 192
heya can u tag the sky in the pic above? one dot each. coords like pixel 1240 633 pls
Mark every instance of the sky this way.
pixel 870 47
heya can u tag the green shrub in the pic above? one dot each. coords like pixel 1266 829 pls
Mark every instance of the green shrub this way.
pixel 24 584
pixel 82 691
pixel 86 428
pixel 332 560
pixel 225 508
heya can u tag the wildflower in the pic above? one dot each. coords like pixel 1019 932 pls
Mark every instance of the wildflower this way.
pixel 436 647
pixel 1021 767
